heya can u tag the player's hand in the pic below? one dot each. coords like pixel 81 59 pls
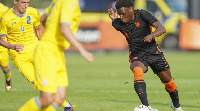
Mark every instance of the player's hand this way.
pixel 87 55
pixel 18 48
pixel 148 38
pixel 112 14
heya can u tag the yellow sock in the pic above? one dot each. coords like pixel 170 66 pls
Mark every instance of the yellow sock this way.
pixel 8 75
pixel 64 103
pixel 31 105
pixel 51 107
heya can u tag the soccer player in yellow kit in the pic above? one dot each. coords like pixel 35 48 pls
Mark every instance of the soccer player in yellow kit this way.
pixel 17 26
pixel 49 60
pixel 43 18
pixel 4 60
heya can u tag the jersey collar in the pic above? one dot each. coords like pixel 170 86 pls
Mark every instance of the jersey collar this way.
pixel 17 14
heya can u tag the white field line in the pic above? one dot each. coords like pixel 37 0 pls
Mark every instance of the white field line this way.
pixel 104 91
pixel 126 91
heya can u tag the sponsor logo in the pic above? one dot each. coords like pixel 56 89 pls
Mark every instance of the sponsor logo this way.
pixel 134 58
pixel 44 82
pixel 38 76
pixel 13 23
pixel 88 35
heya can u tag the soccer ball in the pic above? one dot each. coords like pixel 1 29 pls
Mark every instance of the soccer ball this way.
pixel 141 108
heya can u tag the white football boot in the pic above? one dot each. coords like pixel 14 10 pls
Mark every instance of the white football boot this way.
pixel 174 108
pixel 8 85
pixel 151 109
pixel 68 107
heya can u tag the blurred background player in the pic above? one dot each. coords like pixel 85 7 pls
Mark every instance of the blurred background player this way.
pixel 49 60
pixel 25 19
pixel 65 104
pixel 4 58
pixel 17 26
pixel 135 25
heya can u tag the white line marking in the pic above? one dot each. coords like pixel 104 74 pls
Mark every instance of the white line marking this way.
pixel 104 91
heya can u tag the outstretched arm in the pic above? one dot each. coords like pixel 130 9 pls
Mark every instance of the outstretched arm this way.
pixel 66 31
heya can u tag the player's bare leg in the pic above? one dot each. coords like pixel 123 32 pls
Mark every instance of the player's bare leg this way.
pixel 7 72
pixel 49 101
pixel 46 99
pixel 43 102
pixel 139 84
pixel 138 69
pixel 60 98
pixel 170 86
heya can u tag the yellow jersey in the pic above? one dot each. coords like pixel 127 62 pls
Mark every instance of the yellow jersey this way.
pixel 61 11
pixel 19 29
pixel 48 9
pixel 2 9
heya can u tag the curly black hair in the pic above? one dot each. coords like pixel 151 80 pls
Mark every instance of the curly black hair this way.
pixel 123 3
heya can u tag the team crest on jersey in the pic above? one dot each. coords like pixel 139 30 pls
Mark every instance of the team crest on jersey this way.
pixel 21 29
pixel 137 24
pixel 13 23
pixel 44 82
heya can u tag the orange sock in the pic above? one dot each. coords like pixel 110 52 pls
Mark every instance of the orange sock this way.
pixel 138 73
pixel 140 85
pixel 170 86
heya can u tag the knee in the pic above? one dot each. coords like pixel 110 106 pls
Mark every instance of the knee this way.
pixel 60 100
pixel 5 69
pixel 165 76
pixel 46 100
pixel 138 73
pixel 166 79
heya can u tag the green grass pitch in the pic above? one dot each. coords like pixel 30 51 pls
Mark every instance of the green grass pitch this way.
pixel 107 83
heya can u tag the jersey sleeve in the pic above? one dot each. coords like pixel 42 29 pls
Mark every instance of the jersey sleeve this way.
pixel 3 26
pixel 148 17
pixel 48 9
pixel 37 22
pixel 67 12
pixel 117 24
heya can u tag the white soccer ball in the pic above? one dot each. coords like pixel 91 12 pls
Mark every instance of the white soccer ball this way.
pixel 141 108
